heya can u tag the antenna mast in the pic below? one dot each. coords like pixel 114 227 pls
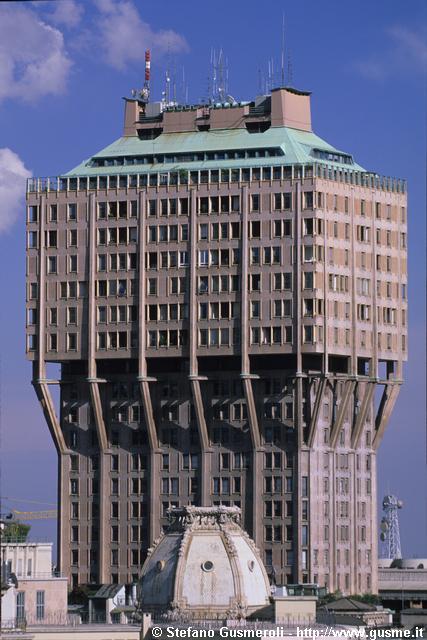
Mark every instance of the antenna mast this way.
pixel 145 93
pixel 282 58
pixel 390 533
pixel 221 77
pixel 290 70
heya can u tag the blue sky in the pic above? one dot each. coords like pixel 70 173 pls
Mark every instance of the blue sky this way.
pixel 64 67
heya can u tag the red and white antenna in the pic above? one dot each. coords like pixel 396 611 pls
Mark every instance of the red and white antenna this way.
pixel 147 66
pixel 146 89
pixel 144 94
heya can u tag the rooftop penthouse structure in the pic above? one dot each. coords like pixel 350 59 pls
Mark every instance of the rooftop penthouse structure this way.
pixel 226 295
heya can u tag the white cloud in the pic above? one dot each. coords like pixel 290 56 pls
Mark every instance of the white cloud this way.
pixel 33 60
pixel 412 44
pixel 373 69
pixel 406 52
pixel 124 36
pixel 67 12
pixel 13 175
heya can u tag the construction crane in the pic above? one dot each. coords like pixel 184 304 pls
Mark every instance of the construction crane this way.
pixel 49 514
pixel 16 514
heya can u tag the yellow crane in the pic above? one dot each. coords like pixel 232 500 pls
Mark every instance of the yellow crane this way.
pixel 16 514
pixel 48 514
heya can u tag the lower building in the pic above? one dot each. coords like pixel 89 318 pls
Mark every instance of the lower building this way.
pixel 112 604
pixel 402 583
pixel 35 594
pixel 351 612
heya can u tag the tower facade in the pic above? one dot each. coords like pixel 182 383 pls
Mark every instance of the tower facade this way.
pixel 225 293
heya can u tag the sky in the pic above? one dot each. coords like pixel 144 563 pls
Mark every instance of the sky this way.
pixel 64 68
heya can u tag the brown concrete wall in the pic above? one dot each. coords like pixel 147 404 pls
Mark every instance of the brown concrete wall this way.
pixel 308 442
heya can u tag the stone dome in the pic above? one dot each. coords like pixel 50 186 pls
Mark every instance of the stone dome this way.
pixel 204 566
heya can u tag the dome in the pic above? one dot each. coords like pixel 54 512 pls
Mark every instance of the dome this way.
pixel 204 566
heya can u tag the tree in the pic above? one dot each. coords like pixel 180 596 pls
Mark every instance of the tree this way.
pixel 79 594
pixel 369 598
pixel 15 532
pixel 329 597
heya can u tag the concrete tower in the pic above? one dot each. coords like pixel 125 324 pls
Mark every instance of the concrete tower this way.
pixel 226 295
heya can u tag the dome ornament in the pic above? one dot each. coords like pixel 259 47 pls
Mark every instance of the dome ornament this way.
pixel 204 566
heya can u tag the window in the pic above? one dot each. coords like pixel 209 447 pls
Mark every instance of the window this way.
pixel 287 201
pixel 255 281
pixel 40 605
pixel 255 202
pixel 308 253
pixel 255 309
pixel 72 341
pixel 52 264
pixel 203 257
pixel 33 213
pixel 51 238
pixel 72 211
pixel 255 229
pixel 20 606
pixel 255 255
pixel 152 286
pixel 72 316
pixel 308 279
pixel 308 334
pixel 304 486
pixel 308 200
pixel 183 258
pixel 32 316
pixel 102 236
pixel 32 240
pixel 72 238
pixel 33 291
pixel 102 210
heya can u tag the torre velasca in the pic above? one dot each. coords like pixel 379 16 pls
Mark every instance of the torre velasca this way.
pixel 225 293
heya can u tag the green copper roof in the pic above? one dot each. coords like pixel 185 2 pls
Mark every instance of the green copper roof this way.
pixel 297 147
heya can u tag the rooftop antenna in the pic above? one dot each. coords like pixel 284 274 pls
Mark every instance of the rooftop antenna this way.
pixel 290 70
pixel 282 57
pixel 221 77
pixel 167 91
pixel 270 75
pixel 146 89
pixel 174 82
pixel 144 94
pixel 214 87
pixel 183 86
pixel 209 98
pixel 389 526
